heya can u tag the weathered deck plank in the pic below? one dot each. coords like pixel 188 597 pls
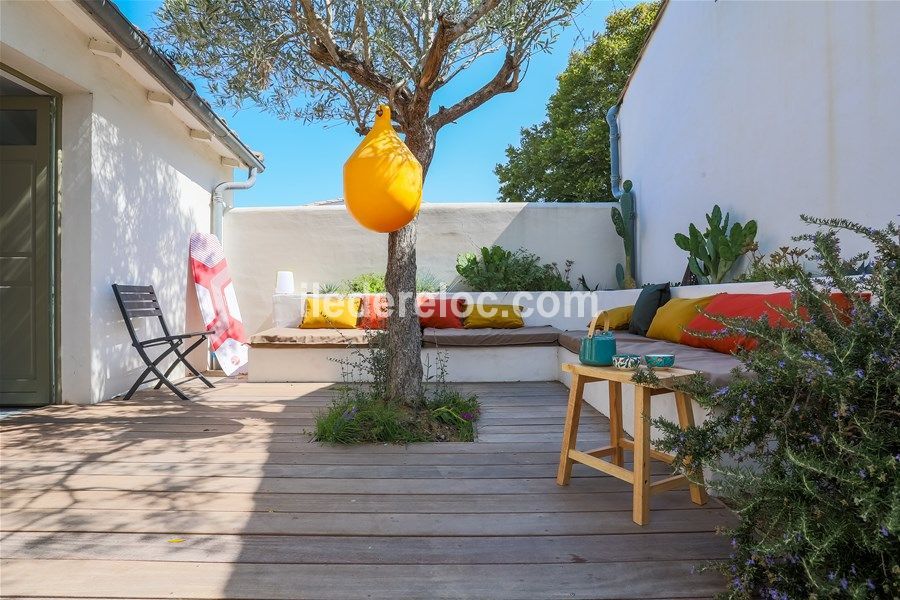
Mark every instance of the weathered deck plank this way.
pixel 225 497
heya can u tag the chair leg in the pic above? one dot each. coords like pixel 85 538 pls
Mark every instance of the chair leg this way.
pixel 686 419
pixel 570 430
pixel 137 383
pixel 640 513
pixel 615 422
pixel 191 367
pixel 173 348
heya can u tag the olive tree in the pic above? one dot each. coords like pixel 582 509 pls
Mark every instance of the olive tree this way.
pixel 336 60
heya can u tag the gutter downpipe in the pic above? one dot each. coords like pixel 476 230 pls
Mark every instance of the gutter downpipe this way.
pixel 615 175
pixel 218 207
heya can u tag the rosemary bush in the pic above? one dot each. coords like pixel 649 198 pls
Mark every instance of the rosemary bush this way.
pixel 807 449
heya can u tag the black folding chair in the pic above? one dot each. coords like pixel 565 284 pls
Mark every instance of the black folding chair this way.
pixel 139 302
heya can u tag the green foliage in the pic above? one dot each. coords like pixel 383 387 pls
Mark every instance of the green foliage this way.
pixel 374 283
pixel 714 252
pixel 623 221
pixel 808 448
pixel 784 263
pixel 363 413
pixel 566 158
pixel 496 269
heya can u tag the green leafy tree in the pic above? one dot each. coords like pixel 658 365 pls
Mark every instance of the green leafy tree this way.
pixel 566 158
pixel 337 60
pixel 808 448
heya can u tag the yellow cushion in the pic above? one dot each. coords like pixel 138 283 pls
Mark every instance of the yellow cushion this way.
pixel 497 316
pixel 330 312
pixel 619 318
pixel 673 316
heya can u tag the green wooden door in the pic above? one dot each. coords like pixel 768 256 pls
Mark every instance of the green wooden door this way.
pixel 25 251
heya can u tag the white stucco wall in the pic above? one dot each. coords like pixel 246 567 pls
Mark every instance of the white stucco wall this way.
pixel 133 186
pixel 324 244
pixel 770 109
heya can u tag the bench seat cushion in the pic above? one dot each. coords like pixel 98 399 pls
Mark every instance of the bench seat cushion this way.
pixel 716 366
pixel 523 336
pixel 310 338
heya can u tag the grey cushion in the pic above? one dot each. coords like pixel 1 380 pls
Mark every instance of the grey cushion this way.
pixel 523 336
pixel 310 338
pixel 651 298
pixel 715 365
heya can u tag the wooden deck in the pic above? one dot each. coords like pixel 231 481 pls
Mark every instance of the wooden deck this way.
pixel 226 497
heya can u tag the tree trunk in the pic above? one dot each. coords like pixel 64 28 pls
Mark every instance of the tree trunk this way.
pixel 404 335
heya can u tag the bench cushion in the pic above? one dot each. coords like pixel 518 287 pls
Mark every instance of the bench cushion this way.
pixel 310 338
pixel 523 336
pixel 716 366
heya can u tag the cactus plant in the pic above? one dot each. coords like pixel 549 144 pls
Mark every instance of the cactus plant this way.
pixel 713 253
pixel 624 223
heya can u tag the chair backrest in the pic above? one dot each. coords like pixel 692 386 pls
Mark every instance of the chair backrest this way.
pixel 138 302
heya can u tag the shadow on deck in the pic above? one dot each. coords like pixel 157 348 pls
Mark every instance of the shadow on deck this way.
pixel 226 497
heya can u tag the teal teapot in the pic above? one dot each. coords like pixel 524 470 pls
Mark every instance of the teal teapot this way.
pixel 597 348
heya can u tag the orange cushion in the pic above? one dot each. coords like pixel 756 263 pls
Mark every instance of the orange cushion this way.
pixel 441 313
pixel 752 306
pixel 375 311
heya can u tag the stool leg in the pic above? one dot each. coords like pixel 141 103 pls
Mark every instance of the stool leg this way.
pixel 686 419
pixel 640 512
pixel 615 422
pixel 570 431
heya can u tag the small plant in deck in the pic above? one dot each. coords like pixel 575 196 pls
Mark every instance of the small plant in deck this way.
pixel 364 413
pixel 496 269
pixel 808 449
pixel 714 252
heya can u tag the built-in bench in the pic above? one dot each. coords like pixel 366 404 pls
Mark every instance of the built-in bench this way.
pixel 532 353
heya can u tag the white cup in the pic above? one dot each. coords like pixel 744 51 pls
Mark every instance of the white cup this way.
pixel 284 282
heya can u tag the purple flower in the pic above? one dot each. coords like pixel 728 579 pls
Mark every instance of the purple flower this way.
pixel 348 414
pixel 815 439
pixel 884 531
pixel 831 576
pixel 863 473
pixel 736 584
pixel 467 416
pixel 720 392
pixel 734 541
pixel 869 584
pixel 736 418
pixel 860 373
pixel 844 583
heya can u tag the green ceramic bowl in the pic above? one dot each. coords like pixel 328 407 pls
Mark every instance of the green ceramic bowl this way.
pixel 626 362
pixel 660 361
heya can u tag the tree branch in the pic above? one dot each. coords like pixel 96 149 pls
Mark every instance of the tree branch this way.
pixel 449 31
pixel 506 80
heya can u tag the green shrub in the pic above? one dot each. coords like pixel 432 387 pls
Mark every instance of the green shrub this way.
pixel 363 413
pixel 813 438
pixel 784 263
pixel 495 269
pixel 373 283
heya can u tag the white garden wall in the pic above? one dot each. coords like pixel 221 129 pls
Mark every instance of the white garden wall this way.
pixel 322 244
pixel 770 109
pixel 133 187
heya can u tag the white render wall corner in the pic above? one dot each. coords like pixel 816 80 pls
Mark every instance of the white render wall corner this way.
pixel 770 109
pixel 133 186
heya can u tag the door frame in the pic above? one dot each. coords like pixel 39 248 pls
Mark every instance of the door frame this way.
pixel 55 220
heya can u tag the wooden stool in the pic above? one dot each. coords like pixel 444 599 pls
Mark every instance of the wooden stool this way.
pixel 640 476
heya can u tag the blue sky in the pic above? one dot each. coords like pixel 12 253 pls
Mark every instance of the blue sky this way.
pixel 304 162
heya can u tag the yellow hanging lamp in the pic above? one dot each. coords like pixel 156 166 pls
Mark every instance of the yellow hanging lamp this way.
pixel 382 179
